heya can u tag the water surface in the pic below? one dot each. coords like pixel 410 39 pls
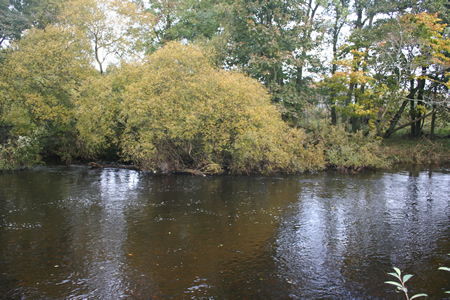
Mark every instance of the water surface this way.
pixel 76 233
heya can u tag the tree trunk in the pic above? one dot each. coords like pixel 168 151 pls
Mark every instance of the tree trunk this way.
pixel 356 124
pixel 97 55
pixel 396 118
pixel 433 116
pixel 333 96
pixel 333 115
pixel 348 99
pixel 299 79
pixel 416 127
pixel 412 114
pixel 356 121
pixel 413 121
pixel 433 123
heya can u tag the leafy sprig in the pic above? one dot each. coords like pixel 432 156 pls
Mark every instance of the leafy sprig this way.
pixel 400 285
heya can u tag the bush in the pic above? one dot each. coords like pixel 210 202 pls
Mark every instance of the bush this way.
pixel 349 151
pixel 177 111
pixel 21 152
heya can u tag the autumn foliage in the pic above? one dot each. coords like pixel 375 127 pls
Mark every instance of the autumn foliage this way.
pixel 177 111
pixel 215 86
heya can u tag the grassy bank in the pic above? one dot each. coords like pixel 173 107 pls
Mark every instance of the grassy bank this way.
pixel 403 150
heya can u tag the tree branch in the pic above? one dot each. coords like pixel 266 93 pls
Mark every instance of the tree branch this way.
pixel 414 121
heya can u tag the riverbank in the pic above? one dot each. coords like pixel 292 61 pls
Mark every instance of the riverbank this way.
pixel 339 151
pixel 398 150
pixel 403 150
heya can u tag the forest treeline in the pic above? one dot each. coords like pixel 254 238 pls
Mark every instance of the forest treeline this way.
pixel 220 86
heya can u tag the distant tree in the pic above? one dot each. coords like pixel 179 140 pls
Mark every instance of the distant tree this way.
pixel 18 15
pixel 399 66
pixel 111 26
pixel 273 42
pixel 339 10
pixel 12 22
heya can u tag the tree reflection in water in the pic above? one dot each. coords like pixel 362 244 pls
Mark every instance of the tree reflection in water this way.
pixel 71 232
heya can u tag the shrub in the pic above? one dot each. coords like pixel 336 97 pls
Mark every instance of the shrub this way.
pixel 349 151
pixel 178 111
pixel 21 152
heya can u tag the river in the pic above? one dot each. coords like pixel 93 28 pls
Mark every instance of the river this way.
pixel 69 232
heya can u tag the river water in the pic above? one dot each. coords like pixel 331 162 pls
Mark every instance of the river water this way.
pixel 76 233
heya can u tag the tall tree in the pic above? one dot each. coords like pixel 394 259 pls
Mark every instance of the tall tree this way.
pixel 339 11
pixel 272 41
pixel 109 25
pixel 395 70
pixel 167 14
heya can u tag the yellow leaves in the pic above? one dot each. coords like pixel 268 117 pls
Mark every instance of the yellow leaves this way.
pixel 42 74
pixel 177 109
pixel 427 29
pixel 358 53
pixel 430 21
pixel 422 109
pixel 340 79
pixel 49 54
pixel 359 77
pixel 357 110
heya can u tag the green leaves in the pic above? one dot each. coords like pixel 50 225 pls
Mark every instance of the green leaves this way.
pixel 445 269
pixel 383 70
pixel 400 285
pixel 398 274
pixel 407 277
pixel 41 76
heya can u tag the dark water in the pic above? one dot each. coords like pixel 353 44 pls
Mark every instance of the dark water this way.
pixel 75 233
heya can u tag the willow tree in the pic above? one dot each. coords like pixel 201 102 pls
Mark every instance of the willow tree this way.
pixel 177 111
pixel 39 79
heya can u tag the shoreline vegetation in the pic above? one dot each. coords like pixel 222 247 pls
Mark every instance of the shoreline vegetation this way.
pixel 110 80
pixel 177 113
pixel 397 151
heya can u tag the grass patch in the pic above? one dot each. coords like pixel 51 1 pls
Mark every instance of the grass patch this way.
pixel 400 149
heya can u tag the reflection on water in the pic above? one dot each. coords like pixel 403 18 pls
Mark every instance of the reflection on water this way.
pixel 342 231
pixel 75 233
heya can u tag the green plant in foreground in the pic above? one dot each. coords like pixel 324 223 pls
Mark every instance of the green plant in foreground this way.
pixel 445 269
pixel 401 284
